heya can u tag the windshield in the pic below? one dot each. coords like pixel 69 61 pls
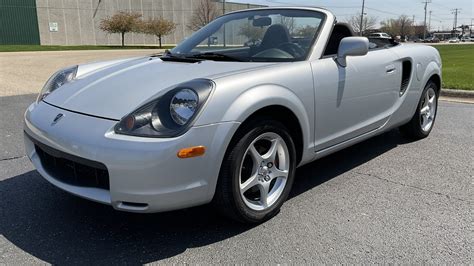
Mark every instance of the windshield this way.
pixel 269 35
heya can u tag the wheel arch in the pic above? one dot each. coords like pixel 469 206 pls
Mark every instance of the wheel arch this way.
pixel 279 103
pixel 436 79
pixel 224 193
pixel 287 118
pixel 432 73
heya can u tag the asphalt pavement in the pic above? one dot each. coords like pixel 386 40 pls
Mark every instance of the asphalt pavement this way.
pixel 385 200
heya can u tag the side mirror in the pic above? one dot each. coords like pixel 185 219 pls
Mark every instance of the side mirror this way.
pixel 351 46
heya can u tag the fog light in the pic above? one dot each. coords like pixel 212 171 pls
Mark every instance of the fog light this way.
pixel 191 152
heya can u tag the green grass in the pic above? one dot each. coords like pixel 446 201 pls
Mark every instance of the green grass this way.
pixel 27 48
pixel 458 60
pixel 458 66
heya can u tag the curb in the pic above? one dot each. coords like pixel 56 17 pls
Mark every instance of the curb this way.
pixel 457 93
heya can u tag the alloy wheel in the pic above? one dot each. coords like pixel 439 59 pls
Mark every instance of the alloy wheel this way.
pixel 428 109
pixel 264 171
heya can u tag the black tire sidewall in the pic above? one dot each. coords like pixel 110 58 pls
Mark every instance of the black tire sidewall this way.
pixel 238 152
pixel 416 119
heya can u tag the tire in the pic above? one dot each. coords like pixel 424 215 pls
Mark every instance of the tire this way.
pixel 423 120
pixel 243 178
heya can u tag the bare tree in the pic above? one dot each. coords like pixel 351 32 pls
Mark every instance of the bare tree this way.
pixel 418 30
pixel 307 31
pixel 405 24
pixel 121 22
pixel 205 12
pixel 389 26
pixel 369 23
pixel 252 33
pixel 289 23
pixel 159 27
pixel 402 26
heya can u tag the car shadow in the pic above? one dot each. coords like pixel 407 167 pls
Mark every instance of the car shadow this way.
pixel 326 168
pixel 62 229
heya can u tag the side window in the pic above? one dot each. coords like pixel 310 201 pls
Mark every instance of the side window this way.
pixel 339 32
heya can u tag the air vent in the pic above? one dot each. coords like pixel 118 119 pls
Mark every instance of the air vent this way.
pixel 406 75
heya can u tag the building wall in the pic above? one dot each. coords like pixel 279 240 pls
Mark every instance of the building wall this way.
pixel 78 20
pixel 18 22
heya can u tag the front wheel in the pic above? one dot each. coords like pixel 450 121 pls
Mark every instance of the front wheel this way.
pixel 257 172
pixel 424 118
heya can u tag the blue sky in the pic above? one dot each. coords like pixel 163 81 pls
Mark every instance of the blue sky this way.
pixel 441 18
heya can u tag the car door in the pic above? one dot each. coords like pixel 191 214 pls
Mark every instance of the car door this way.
pixel 356 99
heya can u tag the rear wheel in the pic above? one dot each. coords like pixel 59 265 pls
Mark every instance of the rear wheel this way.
pixel 424 118
pixel 257 173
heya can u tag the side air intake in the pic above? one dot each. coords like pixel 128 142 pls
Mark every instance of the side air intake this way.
pixel 406 75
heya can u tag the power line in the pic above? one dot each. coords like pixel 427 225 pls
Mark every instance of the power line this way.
pixel 324 6
pixel 440 5
pixel 382 11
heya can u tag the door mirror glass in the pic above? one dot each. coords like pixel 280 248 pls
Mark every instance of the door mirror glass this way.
pixel 351 46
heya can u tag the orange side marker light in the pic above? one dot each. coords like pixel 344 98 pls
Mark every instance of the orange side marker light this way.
pixel 191 152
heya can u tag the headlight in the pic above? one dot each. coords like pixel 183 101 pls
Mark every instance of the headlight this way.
pixel 183 106
pixel 58 79
pixel 169 115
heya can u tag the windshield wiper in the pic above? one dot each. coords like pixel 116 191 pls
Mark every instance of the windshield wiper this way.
pixel 216 57
pixel 168 56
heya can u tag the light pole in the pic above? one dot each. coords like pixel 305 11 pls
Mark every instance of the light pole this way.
pixel 362 17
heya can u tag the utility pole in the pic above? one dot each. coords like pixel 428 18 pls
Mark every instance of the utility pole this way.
pixel 362 18
pixel 429 22
pixel 223 30
pixel 426 2
pixel 456 11
pixel 470 28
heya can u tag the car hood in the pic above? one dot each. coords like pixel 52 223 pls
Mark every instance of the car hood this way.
pixel 114 89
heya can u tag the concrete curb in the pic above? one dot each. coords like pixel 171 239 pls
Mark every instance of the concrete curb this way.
pixel 457 93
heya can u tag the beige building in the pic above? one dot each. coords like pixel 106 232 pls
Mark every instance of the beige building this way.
pixel 76 22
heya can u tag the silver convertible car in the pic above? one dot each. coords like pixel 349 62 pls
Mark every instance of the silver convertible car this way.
pixel 227 115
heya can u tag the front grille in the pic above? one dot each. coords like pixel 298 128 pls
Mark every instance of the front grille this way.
pixel 71 169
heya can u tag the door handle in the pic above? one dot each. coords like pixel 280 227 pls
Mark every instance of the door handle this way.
pixel 390 69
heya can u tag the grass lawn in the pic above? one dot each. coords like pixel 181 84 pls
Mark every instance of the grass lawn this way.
pixel 26 48
pixel 458 60
pixel 458 66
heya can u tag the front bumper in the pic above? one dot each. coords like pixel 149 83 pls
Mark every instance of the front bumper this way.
pixel 145 174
